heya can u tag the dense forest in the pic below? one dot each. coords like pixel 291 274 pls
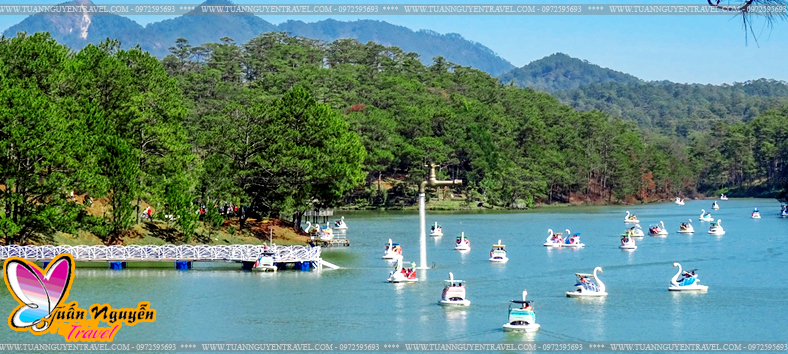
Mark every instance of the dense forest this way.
pixel 283 124
pixel 679 109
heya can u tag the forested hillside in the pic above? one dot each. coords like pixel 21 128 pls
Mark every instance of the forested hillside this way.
pixel 680 109
pixel 283 124
pixel 561 72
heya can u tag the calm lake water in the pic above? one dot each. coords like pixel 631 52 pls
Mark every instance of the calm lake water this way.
pixel 745 270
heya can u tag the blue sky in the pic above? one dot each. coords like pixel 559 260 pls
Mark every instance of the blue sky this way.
pixel 681 48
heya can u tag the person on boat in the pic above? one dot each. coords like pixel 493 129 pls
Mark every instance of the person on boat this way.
pixel 624 240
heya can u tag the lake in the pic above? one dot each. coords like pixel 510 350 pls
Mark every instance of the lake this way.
pixel 744 269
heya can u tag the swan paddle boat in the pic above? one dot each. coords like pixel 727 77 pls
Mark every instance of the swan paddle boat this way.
pixel 688 282
pixel 714 205
pixel 572 241
pixel 454 293
pixel 704 216
pixel 756 214
pixel 322 233
pixel 631 218
pixel 340 224
pixel 628 243
pixel 265 262
pixel 521 316
pixel 553 240
pixel 403 275
pixel 393 251
pixel 658 230
pixel 498 253
pixel 686 228
pixel 588 285
pixel 723 197
pixel 462 244
pixel 783 211
pixel 716 228
pixel 679 201
pixel 436 230
pixel 634 231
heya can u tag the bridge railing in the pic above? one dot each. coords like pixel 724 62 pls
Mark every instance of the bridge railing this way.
pixel 164 252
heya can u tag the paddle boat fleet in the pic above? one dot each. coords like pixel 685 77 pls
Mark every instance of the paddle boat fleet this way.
pixel 588 285
pixel 498 253
pixel 679 201
pixel 704 216
pixel 755 214
pixel 658 230
pixel 340 224
pixel 631 218
pixel 716 228
pixel 403 275
pixel 436 230
pixel 454 293
pixel 462 244
pixel 686 281
pixel 521 316
pixel 393 251
pixel 686 228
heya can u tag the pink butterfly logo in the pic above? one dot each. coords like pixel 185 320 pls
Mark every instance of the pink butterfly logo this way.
pixel 38 292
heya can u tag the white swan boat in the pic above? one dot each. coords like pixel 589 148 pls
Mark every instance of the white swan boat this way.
pixel 686 228
pixel 454 293
pixel 714 205
pixel 634 231
pixel 521 316
pixel 756 214
pixel 689 282
pixel 631 218
pixel 322 233
pixel 553 240
pixel 572 241
pixel 498 253
pixel 723 197
pixel 393 251
pixel 704 216
pixel 462 244
pixel 783 211
pixel 679 201
pixel 403 275
pixel 588 285
pixel 658 230
pixel 436 230
pixel 627 243
pixel 265 263
pixel 340 224
pixel 716 228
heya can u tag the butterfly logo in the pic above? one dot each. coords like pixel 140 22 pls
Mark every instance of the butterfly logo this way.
pixel 39 292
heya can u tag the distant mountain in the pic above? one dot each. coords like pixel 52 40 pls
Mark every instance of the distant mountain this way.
pixel 77 31
pixel 562 72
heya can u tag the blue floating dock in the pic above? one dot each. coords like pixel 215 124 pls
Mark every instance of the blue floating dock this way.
pixel 117 265
pixel 183 265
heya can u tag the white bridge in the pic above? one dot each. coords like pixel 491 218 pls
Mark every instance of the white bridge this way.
pixel 166 253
